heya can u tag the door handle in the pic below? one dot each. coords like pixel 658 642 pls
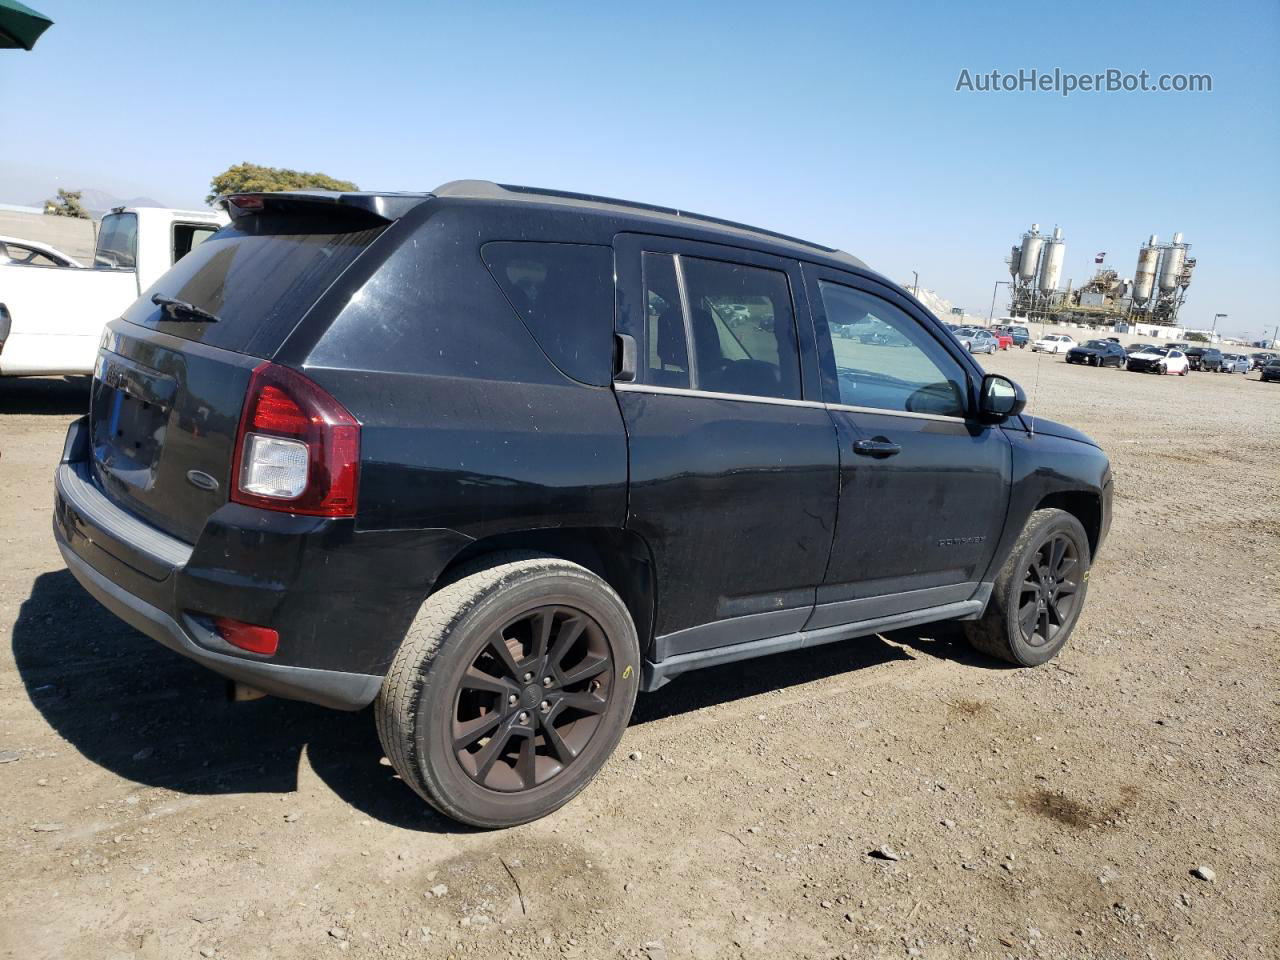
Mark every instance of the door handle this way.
pixel 880 447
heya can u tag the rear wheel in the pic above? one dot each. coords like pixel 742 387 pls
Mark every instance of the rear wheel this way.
pixel 513 686
pixel 1039 593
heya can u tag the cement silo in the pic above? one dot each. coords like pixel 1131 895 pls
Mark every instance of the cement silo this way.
pixel 1055 252
pixel 1029 255
pixel 1175 255
pixel 1144 278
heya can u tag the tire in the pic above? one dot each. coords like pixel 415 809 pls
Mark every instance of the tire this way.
pixel 1184 371
pixel 999 632
pixel 426 707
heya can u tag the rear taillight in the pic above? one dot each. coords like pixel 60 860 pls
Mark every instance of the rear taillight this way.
pixel 297 449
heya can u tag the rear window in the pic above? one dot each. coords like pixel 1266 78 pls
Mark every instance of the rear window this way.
pixel 259 275
pixel 564 294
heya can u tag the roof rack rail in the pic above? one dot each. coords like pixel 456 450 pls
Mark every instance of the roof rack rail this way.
pixel 487 188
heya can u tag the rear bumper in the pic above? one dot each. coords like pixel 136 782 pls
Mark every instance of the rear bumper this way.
pixel 329 688
pixel 333 652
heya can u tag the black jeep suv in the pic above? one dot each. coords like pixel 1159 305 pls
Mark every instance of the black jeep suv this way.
pixel 498 458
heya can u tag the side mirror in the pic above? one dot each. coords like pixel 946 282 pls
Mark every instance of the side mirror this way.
pixel 1000 398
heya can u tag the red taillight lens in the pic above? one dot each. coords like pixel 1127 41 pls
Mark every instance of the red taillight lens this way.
pixel 297 448
pixel 247 202
pixel 247 636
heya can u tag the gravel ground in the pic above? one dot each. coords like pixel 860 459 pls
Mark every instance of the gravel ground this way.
pixel 890 796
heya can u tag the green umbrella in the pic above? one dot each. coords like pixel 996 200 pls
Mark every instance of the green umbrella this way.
pixel 20 26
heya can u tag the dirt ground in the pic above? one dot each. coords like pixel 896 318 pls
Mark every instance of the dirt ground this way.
pixel 1054 812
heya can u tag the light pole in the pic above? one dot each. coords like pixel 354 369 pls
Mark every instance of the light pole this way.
pixel 1216 318
pixel 916 292
pixel 992 312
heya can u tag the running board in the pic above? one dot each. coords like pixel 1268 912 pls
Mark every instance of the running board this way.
pixel 655 675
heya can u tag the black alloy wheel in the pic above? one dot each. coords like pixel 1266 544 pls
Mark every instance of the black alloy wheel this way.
pixel 1050 588
pixel 532 698
pixel 512 687
pixel 1039 593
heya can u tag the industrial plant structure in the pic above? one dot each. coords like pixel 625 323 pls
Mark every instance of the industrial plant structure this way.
pixel 1153 296
pixel 1036 267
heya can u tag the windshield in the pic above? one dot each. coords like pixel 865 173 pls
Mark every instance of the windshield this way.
pixel 1097 344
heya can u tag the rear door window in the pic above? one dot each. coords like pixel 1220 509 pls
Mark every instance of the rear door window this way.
pixel 742 329
pixel 259 275
pixel 564 294
pixel 665 333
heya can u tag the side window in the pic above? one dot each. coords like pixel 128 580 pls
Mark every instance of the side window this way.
pixel 118 242
pixel 742 329
pixel 668 355
pixel 885 360
pixel 564 294
pixel 188 235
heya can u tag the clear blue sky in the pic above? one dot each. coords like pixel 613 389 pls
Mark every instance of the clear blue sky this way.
pixel 839 123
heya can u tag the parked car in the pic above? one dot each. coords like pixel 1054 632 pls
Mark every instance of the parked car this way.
pixel 500 540
pixel 56 314
pixel 1159 360
pixel 1003 338
pixel 1098 353
pixel 1260 360
pixel 1204 358
pixel 1271 371
pixel 1141 348
pixel 1235 363
pixel 30 253
pixel 1053 343
pixel 1021 335
pixel 976 339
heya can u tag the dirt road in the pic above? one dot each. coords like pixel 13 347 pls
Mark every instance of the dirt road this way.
pixel 1056 812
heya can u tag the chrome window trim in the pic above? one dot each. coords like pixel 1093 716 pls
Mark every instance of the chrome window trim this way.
pixel 712 395
pixel 849 408
pixel 779 401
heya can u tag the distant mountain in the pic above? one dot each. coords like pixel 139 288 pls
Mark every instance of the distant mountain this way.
pixel 98 202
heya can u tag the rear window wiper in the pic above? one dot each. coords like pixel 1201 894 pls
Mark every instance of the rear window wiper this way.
pixel 181 310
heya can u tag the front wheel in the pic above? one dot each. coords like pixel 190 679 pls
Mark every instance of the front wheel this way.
pixel 1039 593
pixel 511 689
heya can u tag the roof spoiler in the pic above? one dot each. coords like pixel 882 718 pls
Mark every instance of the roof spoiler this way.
pixel 381 206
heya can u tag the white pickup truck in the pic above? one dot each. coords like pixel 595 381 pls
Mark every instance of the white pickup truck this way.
pixel 51 317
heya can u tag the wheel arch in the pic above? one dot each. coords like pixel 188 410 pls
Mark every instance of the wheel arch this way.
pixel 619 557
pixel 1085 506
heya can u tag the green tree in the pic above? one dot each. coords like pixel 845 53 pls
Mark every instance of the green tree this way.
pixel 1198 337
pixel 67 204
pixel 252 178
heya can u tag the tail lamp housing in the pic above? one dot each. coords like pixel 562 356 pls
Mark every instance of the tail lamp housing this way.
pixel 297 448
